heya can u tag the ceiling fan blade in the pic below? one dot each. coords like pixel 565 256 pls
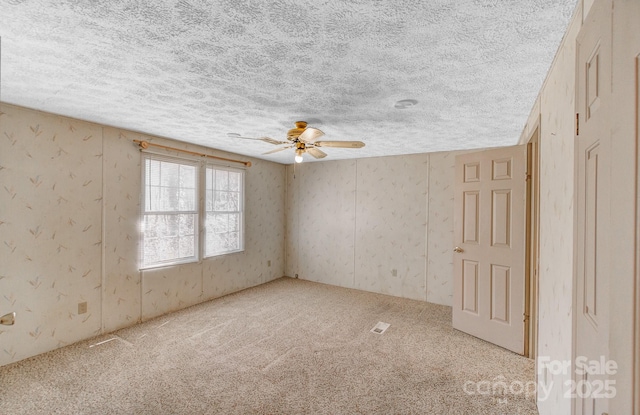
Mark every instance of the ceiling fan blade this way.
pixel 310 135
pixel 236 135
pixel 317 153
pixel 277 149
pixel 272 141
pixel 265 139
pixel 340 144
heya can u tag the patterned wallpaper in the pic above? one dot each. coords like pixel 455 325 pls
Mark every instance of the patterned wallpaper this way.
pixel 69 207
pixel 391 225
pixel 352 223
pixel 291 247
pixel 326 220
pixel 440 228
pixel 122 177
pixel 51 230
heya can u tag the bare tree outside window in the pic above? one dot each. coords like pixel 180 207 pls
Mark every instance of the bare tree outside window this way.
pixel 224 210
pixel 170 218
pixel 171 211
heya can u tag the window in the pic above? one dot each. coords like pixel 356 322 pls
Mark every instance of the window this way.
pixel 224 221
pixel 172 211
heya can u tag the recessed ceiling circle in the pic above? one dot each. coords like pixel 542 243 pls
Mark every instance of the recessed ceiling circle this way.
pixel 405 103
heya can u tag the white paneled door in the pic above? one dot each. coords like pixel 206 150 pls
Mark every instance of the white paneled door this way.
pixel 489 252
pixel 593 143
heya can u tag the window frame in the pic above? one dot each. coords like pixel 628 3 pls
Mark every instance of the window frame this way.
pixel 240 211
pixel 200 212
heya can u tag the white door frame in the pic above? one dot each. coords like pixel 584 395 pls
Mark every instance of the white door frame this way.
pixel 532 242
pixel 636 357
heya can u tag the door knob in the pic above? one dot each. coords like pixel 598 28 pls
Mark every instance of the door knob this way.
pixel 458 249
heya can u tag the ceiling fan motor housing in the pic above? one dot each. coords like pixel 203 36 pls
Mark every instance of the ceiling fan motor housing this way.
pixel 295 132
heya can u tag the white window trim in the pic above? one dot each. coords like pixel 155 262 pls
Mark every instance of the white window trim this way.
pixel 200 213
pixel 242 210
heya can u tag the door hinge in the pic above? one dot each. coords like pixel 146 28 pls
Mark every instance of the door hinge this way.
pixel 577 123
pixel 527 177
pixel 526 317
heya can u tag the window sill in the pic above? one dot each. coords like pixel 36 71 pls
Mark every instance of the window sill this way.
pixel 168 264
pixel 239 251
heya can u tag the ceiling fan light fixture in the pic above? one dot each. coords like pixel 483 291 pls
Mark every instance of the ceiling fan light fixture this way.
pixel 303 140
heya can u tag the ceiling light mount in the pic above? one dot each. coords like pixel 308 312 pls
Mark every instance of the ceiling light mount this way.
pixel 405 103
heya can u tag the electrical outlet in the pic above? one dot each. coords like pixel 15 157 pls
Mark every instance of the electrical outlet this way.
pixel 296 275
pixel 394 272
pixel 269 263
pixel 82 307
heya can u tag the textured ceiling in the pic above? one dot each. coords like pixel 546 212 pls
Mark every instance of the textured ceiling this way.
pixel 197 70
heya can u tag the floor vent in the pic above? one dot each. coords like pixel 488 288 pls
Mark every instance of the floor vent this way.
pixel 380 327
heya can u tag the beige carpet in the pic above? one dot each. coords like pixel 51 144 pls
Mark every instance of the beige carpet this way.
pixel 289 347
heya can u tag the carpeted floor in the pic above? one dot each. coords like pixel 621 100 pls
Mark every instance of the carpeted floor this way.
pixel 286 347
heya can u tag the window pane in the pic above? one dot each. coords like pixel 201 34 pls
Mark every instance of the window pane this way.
pixel 234 181
pixel 160 226
pixel 153 198
pixel 223 222
pixel 209 200
pixel 187 176
pixel 168 174
pixel 222 180
pixel 187 199
pixel 220 223
pixel 233 203
pixel 221 201
pixel 187 225
pixel 170 187
pixel 215 226
pixel 216 244
pixel 150 250
pixel 187 246
pixel 153 172
pixel 233 240
pixel 168 237
pixel 234 222
pixel 168 199
pixel 209 175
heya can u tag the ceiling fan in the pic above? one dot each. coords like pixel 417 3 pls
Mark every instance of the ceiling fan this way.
pixel 303 139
